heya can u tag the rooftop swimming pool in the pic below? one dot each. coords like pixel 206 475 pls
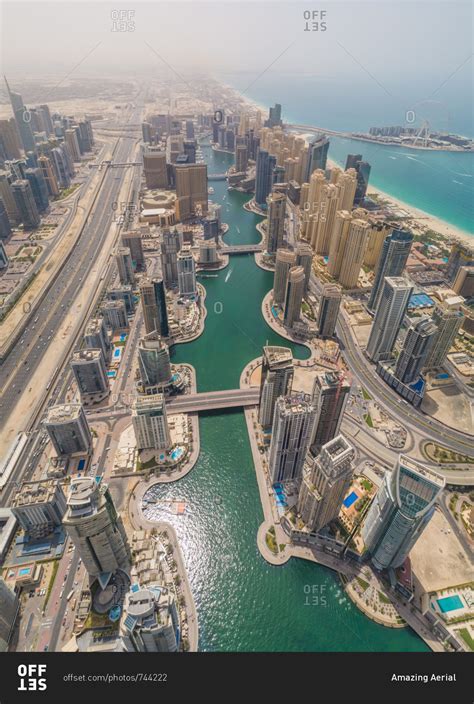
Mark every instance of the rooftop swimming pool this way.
pixel 349 500
pixel 450 603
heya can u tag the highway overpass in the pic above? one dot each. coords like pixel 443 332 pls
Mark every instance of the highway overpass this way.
pixel 212 400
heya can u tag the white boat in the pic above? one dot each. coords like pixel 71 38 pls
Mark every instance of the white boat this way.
pixel 210 190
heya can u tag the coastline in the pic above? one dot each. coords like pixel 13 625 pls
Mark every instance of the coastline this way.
pixel 444 228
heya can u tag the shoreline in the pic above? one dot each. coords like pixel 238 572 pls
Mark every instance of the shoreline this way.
pixel 444 228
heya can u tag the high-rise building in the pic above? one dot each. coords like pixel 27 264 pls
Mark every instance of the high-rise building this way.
pixel 338 242
pixel 94 527
pixel 123 258
pixel 293 422
pixel 186 273
pixel 39 188
pixel 72 143
pixel 22 119
pixel 39 507
pixel 96 337
pixel 154 360
pixel 400 511
pixel 274 116
pixel 276 380
pixel 44 163
pixel 9 608
pixel 294 295
pixel 170 246
pixel 25 203
pixel 263 177
pixel 354 161
pixel 377 234
pixel 211 228
pixel 304 258
pixel 464 282
pixel 150 622
pixel 448 322
pixel 330 394
pixel 191 190
pixel 150 422
pixel 90 372
pixel 241 158
pixel 393 258
pixel 123 292
pixel 6 194
pixel 462 254
pixel 61 165
pixel 326 481
pixel 154 168
pixel 3 256
pixel 115 314
pixel 417 346
pixel 388 318
pixel 353 255
pixel 10 143
pixel 208 252
pixel 276 209
pixel 68 429
pixel 155 313
pixel 189 149
pixel 329 305
pixel 133 240
pixel 284 261
pixel 318 154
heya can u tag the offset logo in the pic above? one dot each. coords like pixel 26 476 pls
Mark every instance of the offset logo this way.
pixel 32 678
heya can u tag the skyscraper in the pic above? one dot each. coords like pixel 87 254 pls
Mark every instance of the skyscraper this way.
pixel 150 422
pixel 400 511
pixel 186 273
pixel 448 322
pixel 10 143
pixel 276 380
pixel 9 608
pixel 294 295
pixel 291 431
pixel 154 168
pixel 26 204
pixel 191 190
pixel 39 507
pixel 150 621
pixel 462 254
pixel 274 116
pixel 115 314
pixel 304 258
pixel 276 209
pixel 170 246
pixel 88 366
pixel 388 318
pixel 354 161
pixel 123 258
pixel 68 429
pixel 39 188
pixel 318 153
pixel 6 194
pixel 395 251
pixel 22 118
pixel 417 345
pixel 133 240
pixel 49 176
pixel 263 177
pixel 353 255
pixel 154 360
pixel 94 527
pixel 326 481
pixel 330 394
pixel 338 242
pixel 330 303
pixel 285 259
pixel 155 313
pixel 241 158
pixel 96 336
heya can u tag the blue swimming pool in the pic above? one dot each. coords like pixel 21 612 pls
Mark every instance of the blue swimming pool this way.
pixel 23 571
pixel 117 352
pixel 450 603
pixel 349 500
pixel 176 454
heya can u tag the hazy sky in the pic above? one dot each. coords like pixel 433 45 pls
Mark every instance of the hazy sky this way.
pixel 392 41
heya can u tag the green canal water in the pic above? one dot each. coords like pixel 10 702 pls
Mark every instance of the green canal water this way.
pixel 243 603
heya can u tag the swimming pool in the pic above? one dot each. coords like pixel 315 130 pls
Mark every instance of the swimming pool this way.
pixel 349 500
pixel 450 603
pixel 176 454
pixel 23 571
pixel 117 352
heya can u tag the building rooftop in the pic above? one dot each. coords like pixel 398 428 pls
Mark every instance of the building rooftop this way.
pixel 88 354
pixel 32 493
pixel 422 470
pixel 64 413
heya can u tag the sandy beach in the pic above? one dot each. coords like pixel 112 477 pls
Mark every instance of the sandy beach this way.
pixel 431 222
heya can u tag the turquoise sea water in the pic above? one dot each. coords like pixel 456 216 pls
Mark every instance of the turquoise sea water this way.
pixel 245 604
pixel 440 183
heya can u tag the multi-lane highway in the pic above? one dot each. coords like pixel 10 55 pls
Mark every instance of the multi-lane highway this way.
pixel 33 346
